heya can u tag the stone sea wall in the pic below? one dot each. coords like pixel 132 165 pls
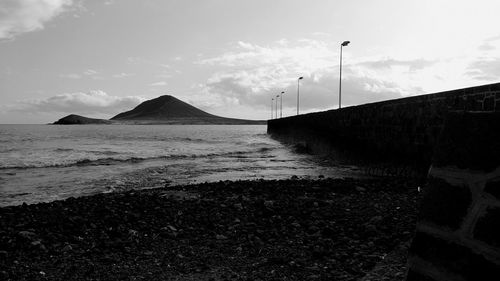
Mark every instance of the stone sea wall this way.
pixel 404 130
pixel 458 232
pixel 457 135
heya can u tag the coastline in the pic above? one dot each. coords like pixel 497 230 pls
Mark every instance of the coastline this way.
pixel 297 229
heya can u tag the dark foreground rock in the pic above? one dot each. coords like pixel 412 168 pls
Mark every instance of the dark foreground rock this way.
pixel 245 230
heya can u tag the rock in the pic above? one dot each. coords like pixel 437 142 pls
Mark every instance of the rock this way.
pixel 67 248
pixel 220 237
pixel 371 228
pixel 39 246
pixel 269 204
pixel 28 235
pixel 171 228
pixel 133 233
pixel 360 189
pixel 238 206
pixel 313 229
pixel 375 219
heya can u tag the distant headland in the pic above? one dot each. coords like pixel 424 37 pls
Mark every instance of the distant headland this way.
pixel 162 110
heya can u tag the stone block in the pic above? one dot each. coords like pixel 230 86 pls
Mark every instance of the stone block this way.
pixel 489 104
pixel 481 89
pixel 445 204
pixel 415 276
pixel 454 259
pixel 493 188
pixel 495 87
pixel 469 141
pixel 487 228
pixel 468 91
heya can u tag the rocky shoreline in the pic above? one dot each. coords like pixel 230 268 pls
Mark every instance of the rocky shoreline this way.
pixel 297 229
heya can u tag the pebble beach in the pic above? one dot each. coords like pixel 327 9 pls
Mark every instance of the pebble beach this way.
pixel 296 229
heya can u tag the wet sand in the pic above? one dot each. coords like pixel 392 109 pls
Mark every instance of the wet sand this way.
pixel 326 229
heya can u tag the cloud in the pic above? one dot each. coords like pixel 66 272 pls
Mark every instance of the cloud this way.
pixel 485 69
pixel 303 56
pixel 93 102
pixel 21 16
pixel 316 92
pixel 387 63
pixel 262 68
pixel 94 74
pixel 123 75
pixel 158 84
pixel 251 74
pixel 140 60
pixel 254 74
pixel 90 72
pixel 70 75
pixel 490 44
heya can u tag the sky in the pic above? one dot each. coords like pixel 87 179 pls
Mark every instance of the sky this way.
pixel 98 58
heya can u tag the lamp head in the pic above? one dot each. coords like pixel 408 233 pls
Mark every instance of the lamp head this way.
pixel 283 92
pixel 345 43
pixel 301 77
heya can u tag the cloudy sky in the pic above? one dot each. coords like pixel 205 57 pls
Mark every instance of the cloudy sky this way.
pixel 230 57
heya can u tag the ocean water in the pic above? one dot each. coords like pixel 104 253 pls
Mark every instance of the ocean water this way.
pixel 40 163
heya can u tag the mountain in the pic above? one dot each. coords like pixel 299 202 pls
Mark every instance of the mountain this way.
pixel 74 119
pixel 170 110
pixel 162 110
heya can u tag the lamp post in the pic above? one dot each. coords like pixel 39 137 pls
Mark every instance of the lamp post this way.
pixel 345 43
pixel 277 97
pixel 272 106
pixel 298 85
pixel 281 104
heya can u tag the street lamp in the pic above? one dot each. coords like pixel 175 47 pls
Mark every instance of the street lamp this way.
pixel 298 84
pixel 281 104
pixel 277 97
pixel 272 106
pixel 345 43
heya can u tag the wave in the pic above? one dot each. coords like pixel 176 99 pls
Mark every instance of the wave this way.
pixel 98 152
pixel 10 149
pixel 108 161
pixel 64 149
pixel 85 162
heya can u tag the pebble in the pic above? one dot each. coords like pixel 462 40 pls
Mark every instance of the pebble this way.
pixel 360 189
pixel 220 237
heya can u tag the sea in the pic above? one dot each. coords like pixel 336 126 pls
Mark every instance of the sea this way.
pixel 42 163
